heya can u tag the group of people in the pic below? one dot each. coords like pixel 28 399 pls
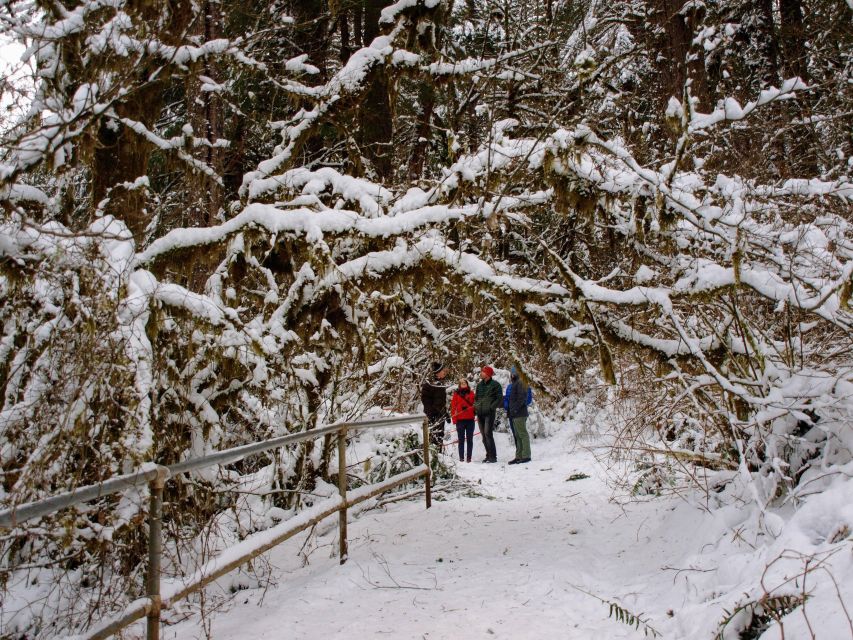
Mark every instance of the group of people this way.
pixel 480 405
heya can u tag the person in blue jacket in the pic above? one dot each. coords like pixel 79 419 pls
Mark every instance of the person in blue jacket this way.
pixel 517 398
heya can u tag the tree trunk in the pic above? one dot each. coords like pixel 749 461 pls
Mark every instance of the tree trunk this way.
pixel 310 37
pixel 121 155
pixel 377 128
pixel 358 12
pixel 768 36
pixel 423 130
pixel 343 24
pixel 792 36
pixel 204 110
pixel 309 33
pixel 804 146
pixel 675 58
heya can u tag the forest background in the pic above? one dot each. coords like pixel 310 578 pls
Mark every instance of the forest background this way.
pixel 224 221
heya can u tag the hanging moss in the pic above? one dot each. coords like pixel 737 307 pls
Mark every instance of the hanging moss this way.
pixel 742 409
pixel 845 294
pixel 667 219
pixel 737 258
pixel 606 360
pixel 641 220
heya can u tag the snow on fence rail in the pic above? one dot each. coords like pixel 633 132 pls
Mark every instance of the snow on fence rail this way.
pixel 156 477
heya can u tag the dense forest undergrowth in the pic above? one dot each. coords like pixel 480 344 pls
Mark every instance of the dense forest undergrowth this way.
pixel 224 221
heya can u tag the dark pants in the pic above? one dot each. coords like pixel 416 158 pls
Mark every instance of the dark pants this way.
pixel 512 429
pixel 465 432
pixel 487 430
pixel 436 429
pixel 522 438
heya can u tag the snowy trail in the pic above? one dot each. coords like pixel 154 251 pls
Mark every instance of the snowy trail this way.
pixel 507 563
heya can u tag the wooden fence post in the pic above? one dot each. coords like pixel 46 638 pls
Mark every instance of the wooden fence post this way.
pixel 155 550
pixel 342 488
pixel 427 486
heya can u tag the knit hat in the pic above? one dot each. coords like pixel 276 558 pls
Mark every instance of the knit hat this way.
pixel 488 371
pixel 437 366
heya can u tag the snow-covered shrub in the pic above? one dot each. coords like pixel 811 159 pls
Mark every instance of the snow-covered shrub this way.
pixel 395 451
pixel 768 570
pixel 76 409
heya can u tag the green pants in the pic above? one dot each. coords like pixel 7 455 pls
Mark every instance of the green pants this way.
pixel 522 438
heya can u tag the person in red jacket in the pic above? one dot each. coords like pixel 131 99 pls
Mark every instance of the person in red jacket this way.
pixel 462 415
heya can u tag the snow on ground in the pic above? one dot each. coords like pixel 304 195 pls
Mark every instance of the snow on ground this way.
pixel 529 552
pixel 512 559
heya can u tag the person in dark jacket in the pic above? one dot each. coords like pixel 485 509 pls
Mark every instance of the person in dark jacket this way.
pixel 506 405
pixel 517 401
pixel 434 399
pixel 462 415
pixel 487 399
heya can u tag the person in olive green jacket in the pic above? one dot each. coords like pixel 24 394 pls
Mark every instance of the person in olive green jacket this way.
pixel 487 398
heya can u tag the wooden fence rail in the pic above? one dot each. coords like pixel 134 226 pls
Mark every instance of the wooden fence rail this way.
pixel 156 476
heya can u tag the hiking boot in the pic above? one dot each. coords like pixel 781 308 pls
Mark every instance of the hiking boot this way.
pixel 523 460
pixel 468 460
pixel 515 461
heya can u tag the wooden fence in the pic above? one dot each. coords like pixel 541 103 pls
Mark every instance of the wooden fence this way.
pixel 156 477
